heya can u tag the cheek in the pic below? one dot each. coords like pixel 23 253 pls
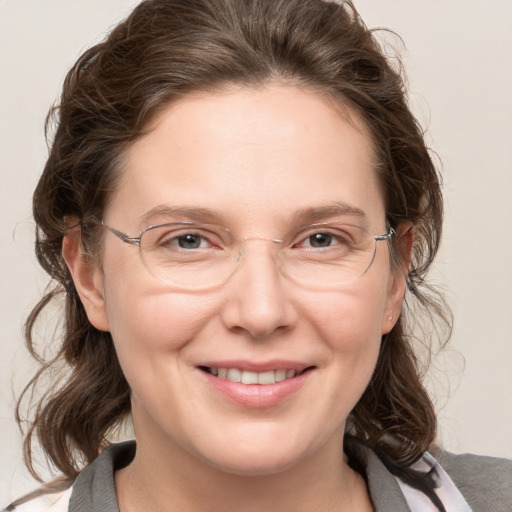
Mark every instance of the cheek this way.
pixel 151 328
pixel 350 325
pixel 142 313
pixel 352 316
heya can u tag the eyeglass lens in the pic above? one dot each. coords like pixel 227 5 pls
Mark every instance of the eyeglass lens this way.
pixel 198 256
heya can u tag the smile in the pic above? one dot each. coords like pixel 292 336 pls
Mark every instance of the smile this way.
pixel 256 384
pixel 251 377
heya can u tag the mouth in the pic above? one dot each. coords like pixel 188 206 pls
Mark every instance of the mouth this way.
pixel 256 385
pixel 249 377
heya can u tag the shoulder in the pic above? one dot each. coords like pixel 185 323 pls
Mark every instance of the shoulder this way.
pixel 43 501
pixel 485 482
pixel 93 489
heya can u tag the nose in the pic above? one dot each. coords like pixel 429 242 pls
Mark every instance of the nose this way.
pixel 258 297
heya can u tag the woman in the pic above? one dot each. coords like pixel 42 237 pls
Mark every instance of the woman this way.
pixel 236 200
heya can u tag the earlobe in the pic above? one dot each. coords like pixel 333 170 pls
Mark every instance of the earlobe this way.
pixel 398 282
pixel 87 277
pixel 394 305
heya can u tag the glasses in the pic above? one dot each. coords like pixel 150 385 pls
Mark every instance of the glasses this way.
pixel 196 256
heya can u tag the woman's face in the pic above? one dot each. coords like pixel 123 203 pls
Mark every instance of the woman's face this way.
pixel 260 162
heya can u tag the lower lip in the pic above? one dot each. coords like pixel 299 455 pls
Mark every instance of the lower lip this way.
pixel 257 396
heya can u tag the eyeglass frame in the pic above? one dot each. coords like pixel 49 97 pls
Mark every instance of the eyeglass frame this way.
pixel 136 241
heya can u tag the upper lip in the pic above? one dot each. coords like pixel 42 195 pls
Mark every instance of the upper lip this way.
pixel 257 366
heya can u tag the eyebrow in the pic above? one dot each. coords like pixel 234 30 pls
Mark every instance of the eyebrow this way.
pixel 337 209
pixel 303 216
pixel 181 212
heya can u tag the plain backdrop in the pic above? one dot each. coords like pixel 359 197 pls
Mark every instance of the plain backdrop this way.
pixel 458 56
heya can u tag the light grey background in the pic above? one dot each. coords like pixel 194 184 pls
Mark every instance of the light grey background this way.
pixel 458 56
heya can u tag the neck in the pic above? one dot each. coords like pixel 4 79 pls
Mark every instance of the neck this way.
pixel 167 478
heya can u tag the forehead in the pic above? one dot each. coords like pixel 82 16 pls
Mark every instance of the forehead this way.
pixel 251 155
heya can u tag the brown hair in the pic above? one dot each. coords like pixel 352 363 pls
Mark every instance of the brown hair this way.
pixel 162 51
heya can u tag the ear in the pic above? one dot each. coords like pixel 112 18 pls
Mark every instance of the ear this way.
pixel 398 279
pixel 88 278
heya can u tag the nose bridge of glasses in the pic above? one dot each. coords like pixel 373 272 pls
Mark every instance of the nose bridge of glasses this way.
pixel 260 239
pixel 276 242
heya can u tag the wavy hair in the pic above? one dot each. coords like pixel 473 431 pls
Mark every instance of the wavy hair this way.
pixel 164 50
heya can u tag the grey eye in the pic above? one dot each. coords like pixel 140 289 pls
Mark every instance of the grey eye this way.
pixel 320 240
pixel 189 241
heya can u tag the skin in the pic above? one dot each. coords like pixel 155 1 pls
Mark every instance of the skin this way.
pixel 255 157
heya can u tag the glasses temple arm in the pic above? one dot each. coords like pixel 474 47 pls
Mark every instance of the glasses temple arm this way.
pixel 123 236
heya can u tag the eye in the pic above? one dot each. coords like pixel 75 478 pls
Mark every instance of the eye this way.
pixel 330 240
pixel 320 240
pixel 175 239
pixel 189 241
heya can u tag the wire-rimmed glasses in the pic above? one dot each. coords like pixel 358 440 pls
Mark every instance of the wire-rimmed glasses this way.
pixel 196 256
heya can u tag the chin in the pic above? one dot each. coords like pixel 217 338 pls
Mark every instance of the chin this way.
pixel 261 464
pixel 251 456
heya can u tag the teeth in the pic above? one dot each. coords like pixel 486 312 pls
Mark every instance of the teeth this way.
pixel 248 377
pixel 266 377
pixel 280 375
pixel 234 375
